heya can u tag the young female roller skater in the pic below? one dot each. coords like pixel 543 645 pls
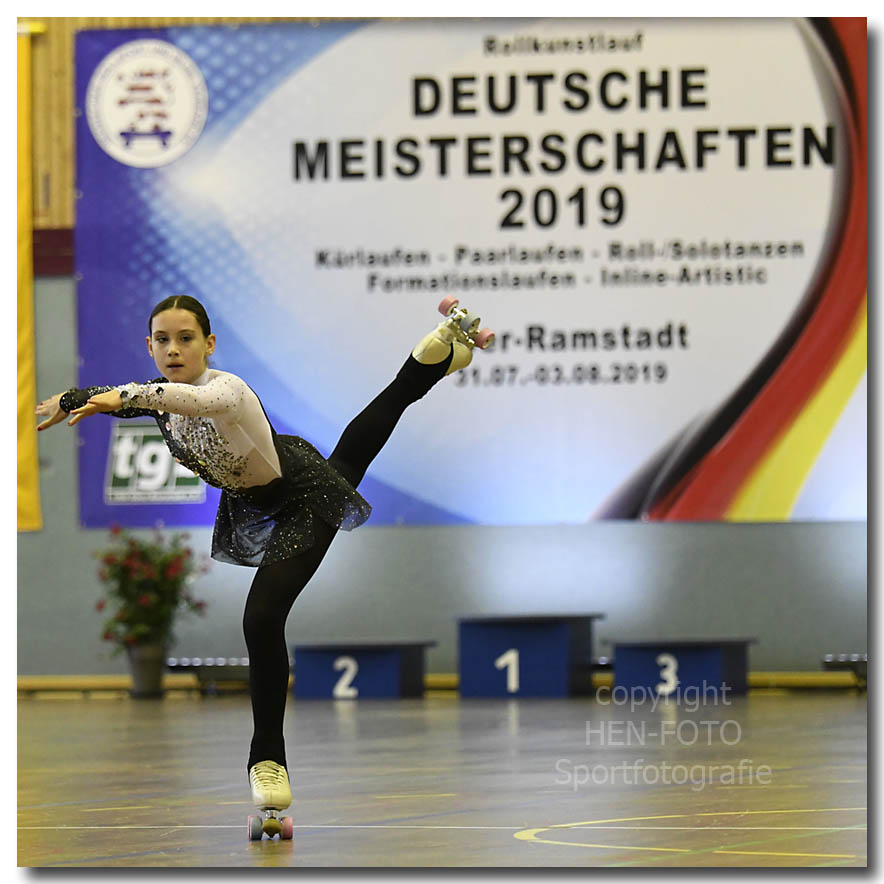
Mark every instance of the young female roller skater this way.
pixel 281 502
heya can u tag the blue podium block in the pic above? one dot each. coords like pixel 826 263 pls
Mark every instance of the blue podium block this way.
pixel 669 667
pixel 342 670
pixel 526 655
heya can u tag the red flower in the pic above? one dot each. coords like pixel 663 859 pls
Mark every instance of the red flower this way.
pixel 108 636
pixel 131 640
pixel 100 605
pixel 115 528
pixel 110 559
pixel 144 600
pixel 175 567
pixel 102 573
pixel 199 606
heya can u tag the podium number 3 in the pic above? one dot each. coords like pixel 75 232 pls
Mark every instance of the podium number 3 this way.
pixel 344 690
pixel 669 666
pixel 510 662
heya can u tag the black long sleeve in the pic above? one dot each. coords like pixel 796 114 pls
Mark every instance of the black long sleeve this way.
pixel 77 398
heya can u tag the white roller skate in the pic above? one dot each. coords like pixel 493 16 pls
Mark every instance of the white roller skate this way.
pixel 459 329
pixel 270 793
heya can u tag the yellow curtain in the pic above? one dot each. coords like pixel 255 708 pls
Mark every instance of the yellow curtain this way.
pixel 29 514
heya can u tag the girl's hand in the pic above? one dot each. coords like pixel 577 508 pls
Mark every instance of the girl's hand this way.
pixel 102 402
pixel 52 411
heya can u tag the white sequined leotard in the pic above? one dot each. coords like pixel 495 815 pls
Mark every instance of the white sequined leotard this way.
pixel 219 420
pixel 273 486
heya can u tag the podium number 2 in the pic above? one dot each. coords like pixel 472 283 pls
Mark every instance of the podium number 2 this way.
pixel 510 662
pixel 344 690
pixel 667 673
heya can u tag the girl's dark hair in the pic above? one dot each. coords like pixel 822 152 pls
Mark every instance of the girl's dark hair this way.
pixel 182 302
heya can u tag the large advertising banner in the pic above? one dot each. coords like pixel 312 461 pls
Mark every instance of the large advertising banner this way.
pixel 662 220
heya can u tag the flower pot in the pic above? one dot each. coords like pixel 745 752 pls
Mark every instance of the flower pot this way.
pixel 146 664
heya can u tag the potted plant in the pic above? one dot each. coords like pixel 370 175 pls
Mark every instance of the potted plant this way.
pixel 146 587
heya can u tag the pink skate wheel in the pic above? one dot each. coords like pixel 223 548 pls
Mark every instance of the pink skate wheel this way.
pixel 287 828
pixel 449 302
pixel 485 339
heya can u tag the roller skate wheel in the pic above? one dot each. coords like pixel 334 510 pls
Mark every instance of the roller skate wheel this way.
pixel 272 827
pixel 256 830
pixel 470 324
pixel 448 305
pixel 287 828
pixel 485 339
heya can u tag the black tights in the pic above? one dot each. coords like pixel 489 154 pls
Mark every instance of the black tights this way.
pixel 275 587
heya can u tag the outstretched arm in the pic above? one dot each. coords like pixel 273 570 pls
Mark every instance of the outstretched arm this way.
pixel 223 396
pixel 56 408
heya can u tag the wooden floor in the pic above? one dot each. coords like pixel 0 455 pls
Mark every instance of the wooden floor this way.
pixel 445 782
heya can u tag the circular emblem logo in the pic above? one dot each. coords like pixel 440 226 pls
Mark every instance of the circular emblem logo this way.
pixel 146 103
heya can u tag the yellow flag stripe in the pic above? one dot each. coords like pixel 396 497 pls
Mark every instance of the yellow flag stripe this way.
pixel 770 492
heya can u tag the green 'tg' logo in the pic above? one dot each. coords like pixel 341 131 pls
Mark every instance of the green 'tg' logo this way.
pixel 140 469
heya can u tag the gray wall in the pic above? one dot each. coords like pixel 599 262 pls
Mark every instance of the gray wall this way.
pixel 800 588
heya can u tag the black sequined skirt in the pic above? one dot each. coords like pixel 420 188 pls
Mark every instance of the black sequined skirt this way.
pixel 268 523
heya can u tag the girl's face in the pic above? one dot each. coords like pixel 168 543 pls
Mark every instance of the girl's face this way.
pixel 178 346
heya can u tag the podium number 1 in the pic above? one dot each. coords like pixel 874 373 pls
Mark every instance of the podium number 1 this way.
pixel 344 690
pixel 510 662
pixel 669 666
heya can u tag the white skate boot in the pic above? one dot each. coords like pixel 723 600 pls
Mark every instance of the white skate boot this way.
pixel 270 793
pixel 460 329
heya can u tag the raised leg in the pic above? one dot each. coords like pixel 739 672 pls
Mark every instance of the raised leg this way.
pixel 369 431
pixel 447 348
